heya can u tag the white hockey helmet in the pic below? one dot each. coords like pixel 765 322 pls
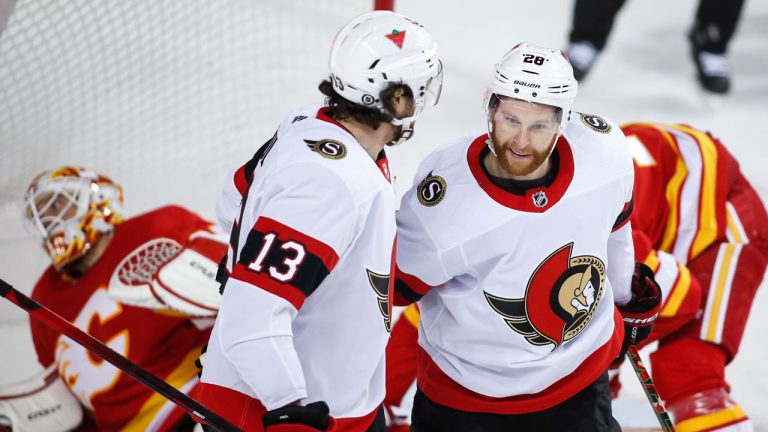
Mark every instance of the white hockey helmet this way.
pixel 69 208
pixel 534 74
pixel 381 47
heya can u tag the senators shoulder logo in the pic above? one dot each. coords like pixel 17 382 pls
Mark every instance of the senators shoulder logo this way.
pixel 596 123
pixel 560 299
pixel 431 190
pixel 328 148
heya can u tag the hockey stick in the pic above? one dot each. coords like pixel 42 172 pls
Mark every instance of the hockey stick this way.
pixel 93 345
pixel 649 389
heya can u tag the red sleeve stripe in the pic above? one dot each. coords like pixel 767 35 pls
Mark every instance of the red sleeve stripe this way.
pixel 408 288
pixel 241 182
pixel 290 293
pixel 623 217
pixel 283 261
pixel 327 254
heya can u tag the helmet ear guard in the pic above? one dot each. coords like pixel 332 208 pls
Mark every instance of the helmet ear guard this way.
pixel 69 209
pixel 379 48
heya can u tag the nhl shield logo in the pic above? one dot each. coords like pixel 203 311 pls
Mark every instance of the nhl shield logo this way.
pixel 560 300
pixel 540 199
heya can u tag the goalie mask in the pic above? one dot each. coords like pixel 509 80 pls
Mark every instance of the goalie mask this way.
pixel 69 209
pixel 381 47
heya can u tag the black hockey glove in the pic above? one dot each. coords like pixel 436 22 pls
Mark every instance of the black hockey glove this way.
pixel 640 313
pixel 296 418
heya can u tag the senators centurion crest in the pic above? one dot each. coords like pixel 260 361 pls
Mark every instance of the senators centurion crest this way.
pixel 560 299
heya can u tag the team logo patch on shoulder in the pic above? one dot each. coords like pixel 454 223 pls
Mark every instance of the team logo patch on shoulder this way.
pixel 560 300
pixel 431 190
pixel 596 123
pixel 328 148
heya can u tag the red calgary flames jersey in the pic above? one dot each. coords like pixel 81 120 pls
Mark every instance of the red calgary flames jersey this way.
pixel 681 183
pixel 163 344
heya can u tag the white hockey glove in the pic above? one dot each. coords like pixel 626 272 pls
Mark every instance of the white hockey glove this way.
pixel 163 275
pixel 40 403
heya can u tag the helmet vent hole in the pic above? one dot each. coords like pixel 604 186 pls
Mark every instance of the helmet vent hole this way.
pixel 373 65
pixel 384 75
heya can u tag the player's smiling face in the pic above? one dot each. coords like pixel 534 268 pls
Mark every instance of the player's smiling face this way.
pixel 523 137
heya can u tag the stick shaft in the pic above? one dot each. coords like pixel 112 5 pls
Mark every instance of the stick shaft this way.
pixel 51 319
pixel 650 389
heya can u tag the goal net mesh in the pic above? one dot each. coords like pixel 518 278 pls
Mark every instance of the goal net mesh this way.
pixel 163 96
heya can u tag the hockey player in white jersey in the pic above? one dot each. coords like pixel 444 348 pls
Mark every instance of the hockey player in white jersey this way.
pixel 516 244
pixel 305 317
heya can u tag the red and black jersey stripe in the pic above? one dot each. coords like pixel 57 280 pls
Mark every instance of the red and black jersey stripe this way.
pixel 623 217
pixel 284 261
pixel 408 288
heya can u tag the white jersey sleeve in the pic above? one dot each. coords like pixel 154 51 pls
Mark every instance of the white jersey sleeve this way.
pixel 621 264
pixel 304 220
pixel 228 203
pixel 420 264
pixel 621 256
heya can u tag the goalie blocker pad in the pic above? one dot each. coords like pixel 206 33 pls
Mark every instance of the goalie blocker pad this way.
pixel 162 274
pixel 40 403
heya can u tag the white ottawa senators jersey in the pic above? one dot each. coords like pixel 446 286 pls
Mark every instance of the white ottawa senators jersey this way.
pixel 305 313
pixel 518 291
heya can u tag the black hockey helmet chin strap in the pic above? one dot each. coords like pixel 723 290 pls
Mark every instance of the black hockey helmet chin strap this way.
pixel 406 131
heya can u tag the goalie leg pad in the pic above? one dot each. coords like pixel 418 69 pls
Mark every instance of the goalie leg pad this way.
pixel 41 403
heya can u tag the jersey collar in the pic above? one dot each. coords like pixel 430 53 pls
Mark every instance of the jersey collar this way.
pixel 322 114
pixel 536 200
pixel 381 161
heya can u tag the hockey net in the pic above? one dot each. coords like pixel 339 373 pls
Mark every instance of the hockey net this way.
pixel 162 96
pixel 165 97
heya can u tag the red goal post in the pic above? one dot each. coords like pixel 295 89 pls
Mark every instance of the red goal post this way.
pixel 384 5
